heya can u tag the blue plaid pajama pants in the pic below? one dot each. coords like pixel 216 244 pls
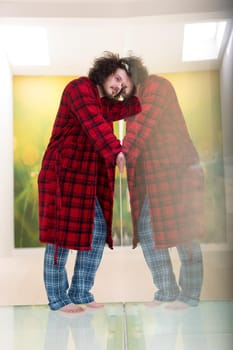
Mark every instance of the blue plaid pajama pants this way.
pixel 160 265
pixel 59 292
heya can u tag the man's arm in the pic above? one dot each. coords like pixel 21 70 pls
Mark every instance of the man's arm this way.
pixel 117 110
pixel 84 104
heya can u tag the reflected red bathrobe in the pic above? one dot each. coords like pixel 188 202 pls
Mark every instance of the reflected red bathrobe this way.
pixel 79 164
pixel 163 164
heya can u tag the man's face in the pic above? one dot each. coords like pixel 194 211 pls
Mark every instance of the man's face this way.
pixel 118 83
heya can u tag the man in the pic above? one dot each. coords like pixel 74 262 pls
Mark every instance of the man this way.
pixel 76 180
pixel 166 188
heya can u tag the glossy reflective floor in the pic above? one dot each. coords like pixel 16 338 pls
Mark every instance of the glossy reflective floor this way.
pixel 133 326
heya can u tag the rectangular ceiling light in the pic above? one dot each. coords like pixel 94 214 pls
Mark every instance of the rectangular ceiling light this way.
pixel 202 41
pixel 25 46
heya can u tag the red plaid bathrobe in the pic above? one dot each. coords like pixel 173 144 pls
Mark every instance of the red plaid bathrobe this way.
pixel 163 164
pixel 79 164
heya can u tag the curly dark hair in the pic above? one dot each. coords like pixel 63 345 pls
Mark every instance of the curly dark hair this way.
pixel 105 66
pixel 135 69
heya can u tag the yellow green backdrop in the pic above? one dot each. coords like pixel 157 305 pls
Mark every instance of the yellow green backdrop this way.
pixel 36 100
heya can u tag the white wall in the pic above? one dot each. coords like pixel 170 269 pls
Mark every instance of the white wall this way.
pixel 122 276
pixel 6 157
pixel 226 81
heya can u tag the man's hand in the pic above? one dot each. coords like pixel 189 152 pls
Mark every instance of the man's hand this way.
pixel 121 161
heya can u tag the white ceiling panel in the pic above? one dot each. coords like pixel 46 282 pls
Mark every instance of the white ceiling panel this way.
pixel 74 41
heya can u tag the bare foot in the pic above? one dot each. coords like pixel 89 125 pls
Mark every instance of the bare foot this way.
pixel 153 303
pixel 95 305
pixel 177 305
pixel 71 308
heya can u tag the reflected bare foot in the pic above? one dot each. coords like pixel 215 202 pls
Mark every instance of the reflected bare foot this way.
pixel 95 305
pixel 177 305
pixel 71 308
pixel 154 303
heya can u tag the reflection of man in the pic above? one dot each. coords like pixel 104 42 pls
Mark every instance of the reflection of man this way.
pixel 163 329
pixel 76 180
pixel 65 330
pixel 166 188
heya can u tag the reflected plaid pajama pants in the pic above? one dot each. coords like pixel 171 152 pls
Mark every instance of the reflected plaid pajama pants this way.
pixel 86 264
pixel 160 265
